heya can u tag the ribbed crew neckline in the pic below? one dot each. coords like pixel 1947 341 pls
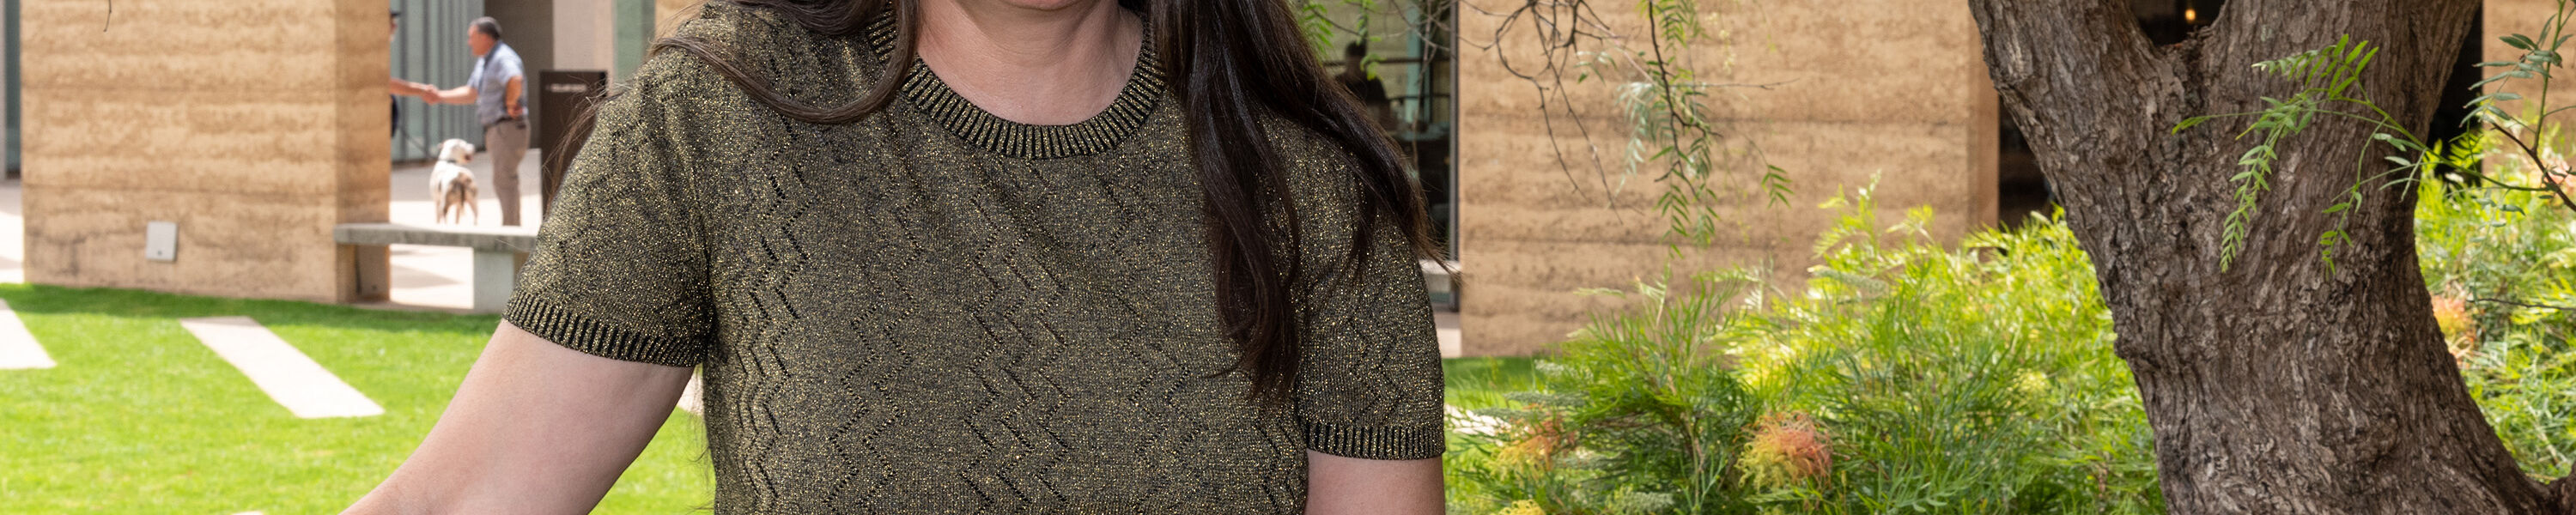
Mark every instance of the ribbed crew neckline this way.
pixel 924 93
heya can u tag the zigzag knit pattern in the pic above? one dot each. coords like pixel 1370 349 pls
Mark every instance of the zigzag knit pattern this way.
pixel 933 309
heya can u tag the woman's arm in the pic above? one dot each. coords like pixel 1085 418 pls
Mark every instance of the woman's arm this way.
pixel 510 103
pixel 535 428
pixel 406 88
pixel 456 95
pixel 1338 485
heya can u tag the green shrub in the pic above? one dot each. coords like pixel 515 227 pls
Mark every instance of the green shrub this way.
pixel 1649 417
pixel 2502 268
pixel 1911 377
pixel 1977 379
pixel 1906 378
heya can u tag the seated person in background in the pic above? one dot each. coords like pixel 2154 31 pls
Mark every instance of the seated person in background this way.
pixel 1370 94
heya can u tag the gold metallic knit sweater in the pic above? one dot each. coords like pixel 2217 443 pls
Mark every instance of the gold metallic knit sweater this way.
pixel 933 309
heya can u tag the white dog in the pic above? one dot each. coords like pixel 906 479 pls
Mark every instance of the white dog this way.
pixel 451 185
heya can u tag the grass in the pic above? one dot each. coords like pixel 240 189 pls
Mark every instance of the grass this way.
pixel 138 417
pixel 1474 384
pixel 1479 383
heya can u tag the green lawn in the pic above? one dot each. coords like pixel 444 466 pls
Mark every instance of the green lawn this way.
pixel 1478 383
pixel 140 418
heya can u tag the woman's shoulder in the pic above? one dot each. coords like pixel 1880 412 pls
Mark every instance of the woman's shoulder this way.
pixel 744 28
pixel 1322 172
pixel 1314 159
pixel 755 42
pixel 1304 147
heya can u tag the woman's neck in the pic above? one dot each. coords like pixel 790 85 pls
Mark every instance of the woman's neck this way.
pixel 1038 62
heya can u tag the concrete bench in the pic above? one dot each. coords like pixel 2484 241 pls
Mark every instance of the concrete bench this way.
pixel 498 251
pixel 1440 283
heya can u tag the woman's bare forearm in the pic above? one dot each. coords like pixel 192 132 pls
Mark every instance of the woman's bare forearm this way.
pixel 455 95
pixel 1337 485
pixel 535 428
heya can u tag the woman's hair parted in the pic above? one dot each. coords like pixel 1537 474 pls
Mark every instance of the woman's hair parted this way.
pixel 1229 61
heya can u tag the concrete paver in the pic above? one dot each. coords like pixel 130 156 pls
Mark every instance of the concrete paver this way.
pixel 289 377
pixel 18 348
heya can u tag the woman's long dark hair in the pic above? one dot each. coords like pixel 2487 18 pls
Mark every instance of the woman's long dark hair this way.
pixel 1232 60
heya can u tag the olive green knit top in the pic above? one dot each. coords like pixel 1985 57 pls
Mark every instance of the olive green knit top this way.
pixel 933 309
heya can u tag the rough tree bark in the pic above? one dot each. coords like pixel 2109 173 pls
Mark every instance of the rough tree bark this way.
pixel 2275 386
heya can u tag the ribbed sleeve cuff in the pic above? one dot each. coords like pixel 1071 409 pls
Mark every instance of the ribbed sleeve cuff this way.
pixel 1375 442
pixel 589 336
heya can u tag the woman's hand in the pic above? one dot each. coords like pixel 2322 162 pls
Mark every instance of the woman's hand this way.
pixel 535 428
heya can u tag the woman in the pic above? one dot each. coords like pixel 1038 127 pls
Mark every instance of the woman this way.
pixel 1026 256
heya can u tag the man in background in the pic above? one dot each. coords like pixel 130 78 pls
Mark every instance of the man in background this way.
pixel 497 92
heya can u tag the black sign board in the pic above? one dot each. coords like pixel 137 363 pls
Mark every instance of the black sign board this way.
pixel 562 127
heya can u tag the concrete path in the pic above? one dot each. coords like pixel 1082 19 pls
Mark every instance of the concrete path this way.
pixel 1464 422
pixel 13 235
pixel 1451 343
pixel 288 376
pixel 693 398
pixel 18 348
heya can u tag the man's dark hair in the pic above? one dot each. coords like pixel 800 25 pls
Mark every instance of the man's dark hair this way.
pixel 1356 49
pixel 489 27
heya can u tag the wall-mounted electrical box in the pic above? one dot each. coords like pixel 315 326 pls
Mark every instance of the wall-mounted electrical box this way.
pixel 161 241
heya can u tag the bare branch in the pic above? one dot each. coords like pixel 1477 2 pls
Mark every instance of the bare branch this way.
pixel 2514 303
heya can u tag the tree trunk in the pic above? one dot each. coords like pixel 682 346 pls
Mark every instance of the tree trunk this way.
pixel 2275 386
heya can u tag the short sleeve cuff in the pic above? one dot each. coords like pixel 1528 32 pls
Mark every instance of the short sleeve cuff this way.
pixel 581 333
pixel 1375 442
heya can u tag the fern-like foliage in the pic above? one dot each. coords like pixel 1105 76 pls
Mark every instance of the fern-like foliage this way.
pixel 2330 78
pixel 2325 76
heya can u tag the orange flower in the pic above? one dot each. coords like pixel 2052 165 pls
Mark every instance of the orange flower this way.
pixel 1538 447
pixel 1788 448
pixel 2459 332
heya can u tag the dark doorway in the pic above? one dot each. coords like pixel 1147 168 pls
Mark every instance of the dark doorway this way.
pixel 2450 118
pixel 2020 189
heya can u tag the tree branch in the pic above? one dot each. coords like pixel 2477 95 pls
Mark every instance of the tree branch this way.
pixel 2523 304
